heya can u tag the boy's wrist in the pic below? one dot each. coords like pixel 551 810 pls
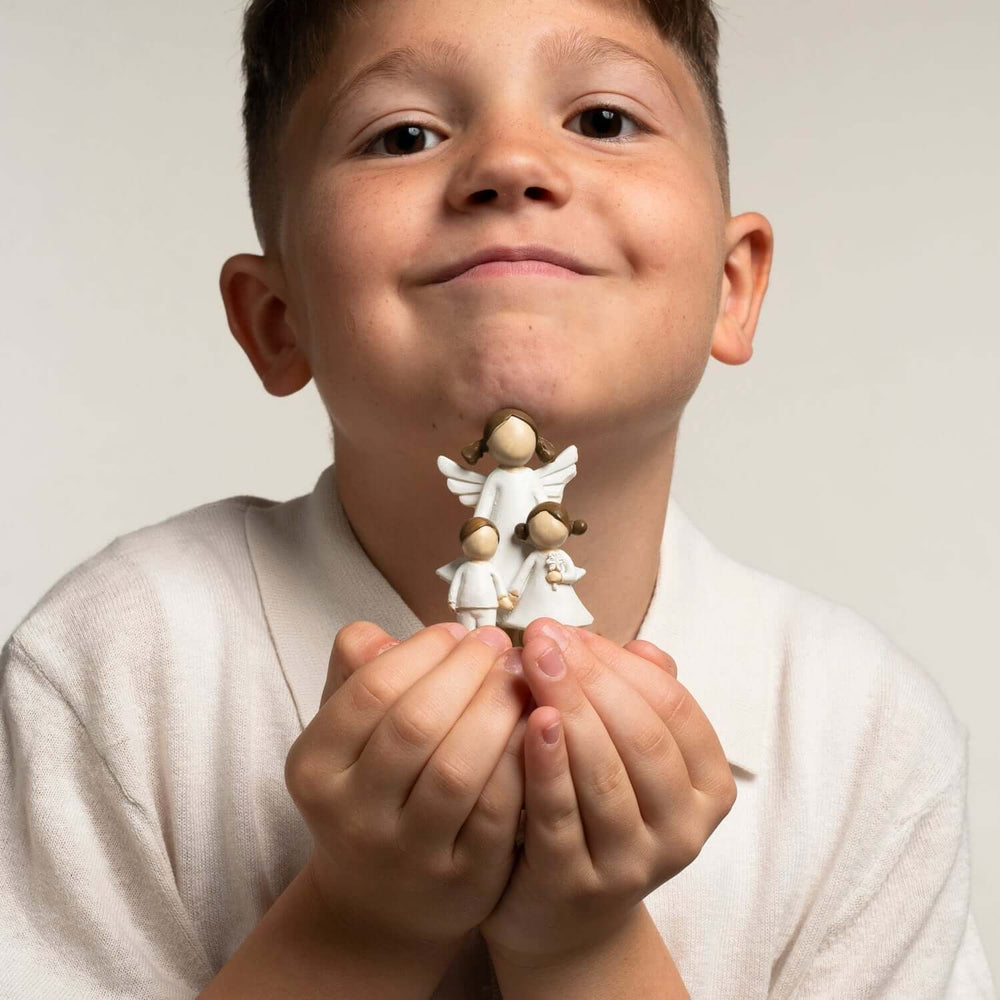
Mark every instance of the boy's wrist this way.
pixel 300 949
pixel 631 961
pixel 372 944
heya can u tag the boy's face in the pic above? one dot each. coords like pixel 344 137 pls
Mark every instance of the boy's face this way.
pixel 510 152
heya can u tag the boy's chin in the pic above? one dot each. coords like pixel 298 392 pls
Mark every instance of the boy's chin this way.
pixel 561 408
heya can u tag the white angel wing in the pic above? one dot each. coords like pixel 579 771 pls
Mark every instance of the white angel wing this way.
pixel 465 483
pixel 447 573
pixel 554 476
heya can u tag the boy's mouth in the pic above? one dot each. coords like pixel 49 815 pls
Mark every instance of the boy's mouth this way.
pixel 497 268
pixel 500 260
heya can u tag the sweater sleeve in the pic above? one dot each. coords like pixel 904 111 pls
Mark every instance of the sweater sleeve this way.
pixel 905 932
pixel 90 905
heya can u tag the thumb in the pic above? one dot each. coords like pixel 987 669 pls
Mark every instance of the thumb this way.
pixel 355 645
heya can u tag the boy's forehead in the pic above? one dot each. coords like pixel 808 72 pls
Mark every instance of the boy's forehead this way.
pixel 394 39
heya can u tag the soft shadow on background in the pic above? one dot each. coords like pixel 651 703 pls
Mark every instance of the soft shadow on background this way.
pixel 855 455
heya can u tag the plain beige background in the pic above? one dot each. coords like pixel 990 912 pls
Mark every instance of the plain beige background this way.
pixel 856 454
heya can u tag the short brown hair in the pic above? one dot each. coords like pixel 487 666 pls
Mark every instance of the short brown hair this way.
pixel 471 526
pixel 286 42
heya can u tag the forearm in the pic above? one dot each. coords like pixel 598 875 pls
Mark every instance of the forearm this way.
pixel 635 962
pixel 295 953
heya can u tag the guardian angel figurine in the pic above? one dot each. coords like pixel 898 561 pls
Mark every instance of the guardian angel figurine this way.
pixel 543 588
pixel 477 590
pixel 511 490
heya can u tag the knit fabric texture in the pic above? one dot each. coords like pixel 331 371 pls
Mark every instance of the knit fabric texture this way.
pixel 148 702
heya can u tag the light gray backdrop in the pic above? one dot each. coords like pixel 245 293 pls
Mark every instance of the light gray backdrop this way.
pixel 855 455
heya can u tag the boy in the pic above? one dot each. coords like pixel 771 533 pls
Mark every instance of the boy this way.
pixel 808 840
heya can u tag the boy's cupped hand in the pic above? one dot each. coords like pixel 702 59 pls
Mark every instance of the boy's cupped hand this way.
pixel 411 782
pixel 410 778
pixel 625 781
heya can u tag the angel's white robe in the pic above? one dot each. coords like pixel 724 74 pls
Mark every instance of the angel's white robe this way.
pixel 541 599
pixel 507 498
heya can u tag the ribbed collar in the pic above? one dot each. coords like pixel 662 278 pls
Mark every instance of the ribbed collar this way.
pixel 707 612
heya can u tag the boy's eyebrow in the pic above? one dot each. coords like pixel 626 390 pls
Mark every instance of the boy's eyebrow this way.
pixel 444 58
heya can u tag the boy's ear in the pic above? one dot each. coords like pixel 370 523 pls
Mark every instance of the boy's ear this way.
pixel 258 317
pixel 750 246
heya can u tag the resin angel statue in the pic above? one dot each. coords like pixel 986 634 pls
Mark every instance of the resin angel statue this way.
pixel 476 590
pixel 543 588
pixel 507 494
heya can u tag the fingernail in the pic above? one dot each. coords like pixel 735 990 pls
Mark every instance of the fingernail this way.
pixel 551 662
pixel 457 629
pixel 492 637
pixel 551 734
pixel 556 633
pixel 511 661
pixel 387 646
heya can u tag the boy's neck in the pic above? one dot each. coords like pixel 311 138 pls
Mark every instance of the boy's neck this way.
pixel 622 497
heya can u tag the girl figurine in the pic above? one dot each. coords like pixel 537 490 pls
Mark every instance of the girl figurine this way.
pixel 477 590
pixel 512 489
pixel 544 586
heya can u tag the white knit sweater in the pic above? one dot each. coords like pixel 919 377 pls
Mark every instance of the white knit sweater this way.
pixel 149 701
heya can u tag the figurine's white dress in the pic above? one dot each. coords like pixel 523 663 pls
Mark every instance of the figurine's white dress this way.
pixel 506 497
pixel 541 599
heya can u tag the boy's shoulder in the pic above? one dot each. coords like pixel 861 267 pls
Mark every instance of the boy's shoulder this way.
pixel 136 603
pixel 806 683
pixel 851 707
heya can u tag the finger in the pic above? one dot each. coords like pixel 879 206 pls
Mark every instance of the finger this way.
pixel 453 779
pixel 354 645
pixel 655 655
pixel 414 726
pixel 607 801
pixel 492 825
pixel 351 714
pixel 553 826
pixel 653 762
pixel 638 668
pixel 704 757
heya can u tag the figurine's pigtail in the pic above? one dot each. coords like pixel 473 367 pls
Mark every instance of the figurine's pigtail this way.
pixel 522 532
pixel 544 448
pixel 474 452
pixel 578 528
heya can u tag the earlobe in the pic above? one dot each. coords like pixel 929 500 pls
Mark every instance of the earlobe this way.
pixel 750 240
pixel 258 319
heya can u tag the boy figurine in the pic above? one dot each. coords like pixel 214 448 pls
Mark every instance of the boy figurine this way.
pixel 476 589
pixel 243 755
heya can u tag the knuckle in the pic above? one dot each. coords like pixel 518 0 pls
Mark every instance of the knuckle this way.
pixel 608 781
pixel 349 639
pixel 720 796
pixel 492 809
pixel 586 889
pixel 729 795
pixel 369 693
pixel 562 820
pixel 651 741
pixel 451 776
pixel 412 727
pixel 680 707
pixel 307 776
pixel 689 846
pixel 633 880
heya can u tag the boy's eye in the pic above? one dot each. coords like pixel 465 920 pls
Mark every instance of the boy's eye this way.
pixel 605 121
